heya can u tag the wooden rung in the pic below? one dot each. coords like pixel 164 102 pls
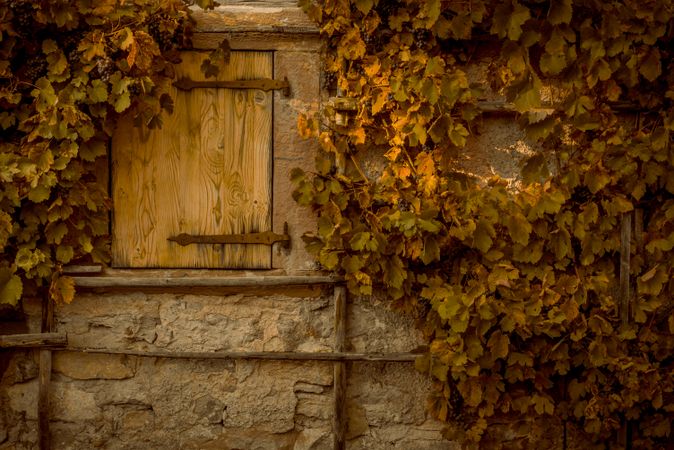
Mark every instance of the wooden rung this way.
pixel 504 107
pixel 33 340
pixel 406 357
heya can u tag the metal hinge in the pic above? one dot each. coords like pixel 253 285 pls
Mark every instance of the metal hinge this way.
pixel 265 84
pixel 265 237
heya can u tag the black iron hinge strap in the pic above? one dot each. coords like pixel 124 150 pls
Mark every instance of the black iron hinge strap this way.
pixel 265 237
pixel 264 84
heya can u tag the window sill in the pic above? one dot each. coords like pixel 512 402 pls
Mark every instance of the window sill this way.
pixel 180 278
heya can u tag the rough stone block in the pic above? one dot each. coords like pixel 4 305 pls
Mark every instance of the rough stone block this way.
pixel 21 367
pixel 357 424
pixel 23 398
pixel 313 439
pixel 210 409
pixel 83 366
pixel 314 406
pixel 138 420
pixel 198 323
pixel 70 404
pixel 373 327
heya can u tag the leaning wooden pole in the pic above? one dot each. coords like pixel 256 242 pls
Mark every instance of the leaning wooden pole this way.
pixel 625 433
pixel 625 238
pixel 44 435
pixel 339 413
pixel 408 357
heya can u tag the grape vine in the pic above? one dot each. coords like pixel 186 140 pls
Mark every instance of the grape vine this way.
pixel 516 289
pixel 68 70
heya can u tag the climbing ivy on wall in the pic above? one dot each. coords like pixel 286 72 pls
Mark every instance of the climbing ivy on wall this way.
pixel 515 288
pixel 68 70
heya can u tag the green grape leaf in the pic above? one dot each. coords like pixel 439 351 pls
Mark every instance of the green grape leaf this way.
pixel 560 12
pixel 11 286
pixel 364 6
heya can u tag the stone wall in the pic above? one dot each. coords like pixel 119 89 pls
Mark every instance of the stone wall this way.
pixel 130 402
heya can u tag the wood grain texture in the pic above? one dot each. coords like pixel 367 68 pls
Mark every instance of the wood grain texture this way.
pixel 44 377
pixel 33 340
pixel 625 238
pixel 269 356
pixel 44 435
pixel 207 171
pixel 339 371
pixel 305 291
pixel 154 281
pixel 237 18
pixel 94 268
pixel 340 318
pixel 264 3
pixel 259 40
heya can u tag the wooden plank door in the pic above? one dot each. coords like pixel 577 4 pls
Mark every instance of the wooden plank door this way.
pixel 207 171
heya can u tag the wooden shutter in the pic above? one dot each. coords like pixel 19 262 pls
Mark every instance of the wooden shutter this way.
pixel 207 171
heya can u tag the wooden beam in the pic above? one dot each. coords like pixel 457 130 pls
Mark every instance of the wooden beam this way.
pixel 339 389
pixel 210 282
pixel 33 340
pixel 44 379
pixel 624 292
pixel 639 229
pixel 625 431
pixel 504 107
pixel 238 18
pixel 97 268
pixel 273 356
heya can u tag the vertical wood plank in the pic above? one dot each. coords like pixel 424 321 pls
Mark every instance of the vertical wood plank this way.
pixel 625 237
pixel 43 400
pixel 44 378
pixel 639 228
pixel 207 171
pixel 339 414
pixel 630 427
pixel 624 434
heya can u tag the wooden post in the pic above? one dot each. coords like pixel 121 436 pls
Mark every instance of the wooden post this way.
pixel 625 433
pixel 639 228
pixel 625 237
pixel 45 377
pixel 339 413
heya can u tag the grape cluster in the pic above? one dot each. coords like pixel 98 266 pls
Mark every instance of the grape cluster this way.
pixel 162 32
pixel 386 9
pixel 34 68
pixel 23 15
pixel 135 89
pixel 581 194
pixel 329 81
pixel 73 56
pixel 421 37
pixel 403 205
pixel 104 68
pixel 69 45
pixel 70 41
